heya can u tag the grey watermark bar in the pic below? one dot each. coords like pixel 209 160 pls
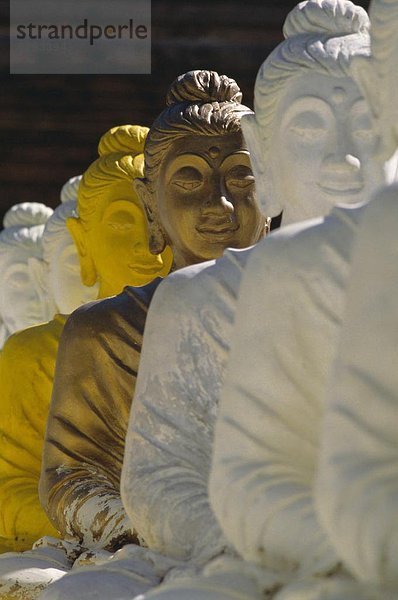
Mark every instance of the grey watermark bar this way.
pixel 80 36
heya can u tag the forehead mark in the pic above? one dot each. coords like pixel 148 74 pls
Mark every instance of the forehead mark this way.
pixel 339 95
pixel 214 151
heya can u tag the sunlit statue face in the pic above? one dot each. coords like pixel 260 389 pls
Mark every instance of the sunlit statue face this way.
pixel 206 197
pixel 322 147
pixel 20 301
pixel 114 247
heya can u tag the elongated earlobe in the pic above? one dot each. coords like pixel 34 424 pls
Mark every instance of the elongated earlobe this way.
pixel 88 272
pixel 270 205
pixel 363 71
pixel 251 134
pixel 157 237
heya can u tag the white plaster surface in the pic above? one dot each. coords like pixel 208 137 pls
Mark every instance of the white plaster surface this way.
pixel 24 575
pixel 169 440
pixel 288 316
pixel 357 488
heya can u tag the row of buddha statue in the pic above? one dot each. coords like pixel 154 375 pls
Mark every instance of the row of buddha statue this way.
pixel 193 406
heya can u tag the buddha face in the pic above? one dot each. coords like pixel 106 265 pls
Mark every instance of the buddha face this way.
pixel 114 247
pixel 206 197
pixel 20 303
pixel 322 147
pixel 64 278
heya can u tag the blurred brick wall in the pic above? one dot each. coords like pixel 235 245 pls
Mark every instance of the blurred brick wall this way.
pixel 50 125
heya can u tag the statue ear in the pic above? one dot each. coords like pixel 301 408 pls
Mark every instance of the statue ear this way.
pixel 157 236
pixel 88 271
pixel 270 205
pixel 363 72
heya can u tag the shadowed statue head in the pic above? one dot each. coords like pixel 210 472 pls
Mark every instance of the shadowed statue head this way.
pixel 198 189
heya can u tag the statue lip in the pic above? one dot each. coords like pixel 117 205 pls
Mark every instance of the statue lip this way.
pixel 341 187
pixel 218 226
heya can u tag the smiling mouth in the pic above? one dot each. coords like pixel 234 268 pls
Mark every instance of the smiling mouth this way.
pixel 338 188
pixel 218 227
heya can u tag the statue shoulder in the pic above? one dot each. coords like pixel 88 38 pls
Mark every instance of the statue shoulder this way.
pixel 204 282
pixel 29 345
pixel 96 317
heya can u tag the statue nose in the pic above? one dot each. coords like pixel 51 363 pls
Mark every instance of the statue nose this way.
pixel 139 247
pixel 219 205
pixel 226 205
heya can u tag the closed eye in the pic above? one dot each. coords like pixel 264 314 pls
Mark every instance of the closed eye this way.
pixel 187 185
pixel 364 135
pixel 122 227
pixel 308 133
pixel 18 284
pixel 241 183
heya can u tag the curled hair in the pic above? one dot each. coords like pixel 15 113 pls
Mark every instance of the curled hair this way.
pixel 121 159
pixel 384 18
pixel 321 36
pixel 55 231
pixel 23 229
pixel 27 214
pixel 198 102
pixel 28 240
pixel 70 189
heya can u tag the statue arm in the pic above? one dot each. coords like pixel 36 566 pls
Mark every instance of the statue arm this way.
pixel 84 444
pixel 265 443
pixel 168 445
pixel 357 486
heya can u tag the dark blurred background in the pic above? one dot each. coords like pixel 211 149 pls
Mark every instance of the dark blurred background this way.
pixel 50 125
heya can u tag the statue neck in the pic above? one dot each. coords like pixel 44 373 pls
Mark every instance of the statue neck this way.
pixel 106 290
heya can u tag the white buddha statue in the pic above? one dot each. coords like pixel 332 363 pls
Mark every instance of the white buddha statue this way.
pixel 306 100
pixel 269 434
pixel 357 484
pixel 21 282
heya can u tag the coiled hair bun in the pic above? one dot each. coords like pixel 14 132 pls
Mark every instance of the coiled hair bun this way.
pixel 27 214
pixel 70 188
pixel 331 17
pixel 203 87
pixel 125 139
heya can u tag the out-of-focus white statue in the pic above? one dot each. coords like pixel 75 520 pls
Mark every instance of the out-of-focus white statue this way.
pixel 269 433
pixel 21 282
pixel 357 486
pixel 320 115
pixel 61 259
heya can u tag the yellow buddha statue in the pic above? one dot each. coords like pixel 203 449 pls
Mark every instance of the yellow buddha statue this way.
pixel 199 198
pixel 112 239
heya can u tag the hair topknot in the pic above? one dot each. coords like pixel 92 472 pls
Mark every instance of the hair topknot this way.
pixel 331 17
pixel 203 87
pixel 70 188
pixel 126 139
pixel 27 214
